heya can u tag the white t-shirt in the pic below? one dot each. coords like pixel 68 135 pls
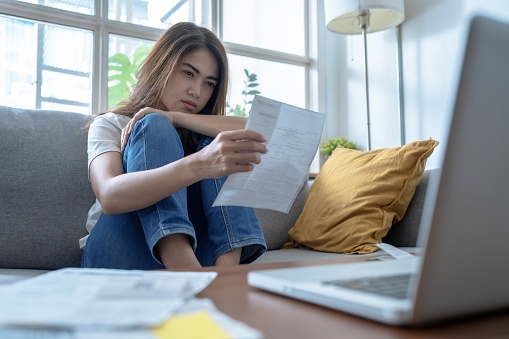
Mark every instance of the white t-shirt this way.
pixel 103 136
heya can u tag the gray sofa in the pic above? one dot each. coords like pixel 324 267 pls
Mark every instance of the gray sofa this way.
pixel 46 196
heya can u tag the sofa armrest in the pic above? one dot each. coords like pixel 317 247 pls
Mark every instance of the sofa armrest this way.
pixel 405 232
pixel 45 191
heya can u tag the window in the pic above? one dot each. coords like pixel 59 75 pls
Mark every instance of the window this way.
pixel 34 71
pixel 72 55
pixel 63 54
pixel 261 42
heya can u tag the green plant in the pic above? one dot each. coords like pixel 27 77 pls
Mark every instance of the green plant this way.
pixel 250 82
pixel 331 144
pixel 122 73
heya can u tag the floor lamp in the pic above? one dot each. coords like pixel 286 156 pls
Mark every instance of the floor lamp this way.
pixel 363 17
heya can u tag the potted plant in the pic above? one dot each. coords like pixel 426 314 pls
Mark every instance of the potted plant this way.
pixel 328 147
pixel 250 82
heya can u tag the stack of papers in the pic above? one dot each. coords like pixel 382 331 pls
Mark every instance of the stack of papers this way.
pixel 106 303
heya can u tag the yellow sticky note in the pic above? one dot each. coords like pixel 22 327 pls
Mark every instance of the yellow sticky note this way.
pixel 195 325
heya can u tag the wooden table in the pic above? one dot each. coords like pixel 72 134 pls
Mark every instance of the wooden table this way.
pixel 281 317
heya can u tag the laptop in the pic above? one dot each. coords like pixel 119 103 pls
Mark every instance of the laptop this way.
pixel 464 232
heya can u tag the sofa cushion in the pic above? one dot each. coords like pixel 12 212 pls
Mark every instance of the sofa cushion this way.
pixel 45 191
pixel 357 196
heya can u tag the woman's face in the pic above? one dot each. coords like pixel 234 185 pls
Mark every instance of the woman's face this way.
pixel 191 83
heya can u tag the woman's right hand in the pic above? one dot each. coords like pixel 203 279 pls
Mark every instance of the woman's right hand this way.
pixel 230 152
pixel 126 131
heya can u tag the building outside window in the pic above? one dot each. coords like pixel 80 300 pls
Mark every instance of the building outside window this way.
pixel 45 66
pixel 81 55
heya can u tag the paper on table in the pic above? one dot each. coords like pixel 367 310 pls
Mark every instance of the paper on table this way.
pixel 74 298
pixel 206 321
pixel 199 318
pixel 293 136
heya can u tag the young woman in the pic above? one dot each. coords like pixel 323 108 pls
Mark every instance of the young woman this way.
pixel 158 160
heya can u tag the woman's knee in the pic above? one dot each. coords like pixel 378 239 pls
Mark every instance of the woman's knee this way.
pixel 154 129
pixel 158 124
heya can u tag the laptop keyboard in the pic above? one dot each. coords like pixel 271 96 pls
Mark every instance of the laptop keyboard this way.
pixel 396 286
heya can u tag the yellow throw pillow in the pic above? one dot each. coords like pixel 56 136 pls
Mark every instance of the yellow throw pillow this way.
pixel 357 196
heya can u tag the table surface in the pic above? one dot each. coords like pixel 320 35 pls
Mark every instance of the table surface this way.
pixel 277 316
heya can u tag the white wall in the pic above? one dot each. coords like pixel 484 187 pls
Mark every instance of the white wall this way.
pixel 433 37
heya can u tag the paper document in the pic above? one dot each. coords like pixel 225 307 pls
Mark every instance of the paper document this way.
pixel 198 318
pixel 99 298
pixel 293 136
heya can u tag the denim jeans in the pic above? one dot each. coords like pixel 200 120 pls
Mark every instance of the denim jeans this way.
pixel 127 240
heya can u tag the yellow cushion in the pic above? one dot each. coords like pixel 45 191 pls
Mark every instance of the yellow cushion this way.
pixel 357 196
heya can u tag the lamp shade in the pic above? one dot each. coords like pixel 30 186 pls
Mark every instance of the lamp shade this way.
pixel 342 16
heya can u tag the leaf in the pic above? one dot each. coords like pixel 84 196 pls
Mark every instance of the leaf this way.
pixel 116 93
pixel 122 73
pixel 115 67
pixel 118 76
pixel 120 59
pixel 248 83
pixel 238 111
pixel 141 53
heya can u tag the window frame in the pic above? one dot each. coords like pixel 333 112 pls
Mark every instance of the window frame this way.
pixel 308 60
pixel 101 28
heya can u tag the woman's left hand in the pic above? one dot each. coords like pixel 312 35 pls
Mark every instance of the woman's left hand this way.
pixel 126 131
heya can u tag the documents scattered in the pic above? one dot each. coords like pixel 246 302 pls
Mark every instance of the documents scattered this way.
pixel 114 304
pixel 99 298
pixel 293 136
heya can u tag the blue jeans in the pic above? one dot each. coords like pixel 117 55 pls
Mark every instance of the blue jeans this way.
pixel 127 240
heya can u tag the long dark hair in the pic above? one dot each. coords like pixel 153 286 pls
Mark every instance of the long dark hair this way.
pixel 152 76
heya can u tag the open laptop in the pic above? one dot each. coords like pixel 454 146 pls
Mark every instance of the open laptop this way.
pixel 465 225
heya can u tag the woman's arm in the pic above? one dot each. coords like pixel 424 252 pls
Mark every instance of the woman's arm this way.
pixel 120 192
pixel 209 125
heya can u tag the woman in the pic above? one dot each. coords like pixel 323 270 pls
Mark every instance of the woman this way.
pixel 155 175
